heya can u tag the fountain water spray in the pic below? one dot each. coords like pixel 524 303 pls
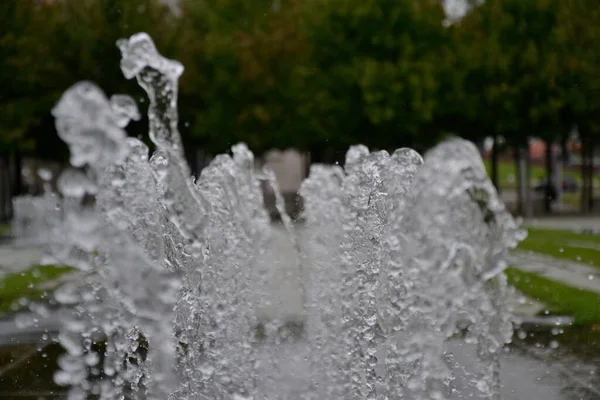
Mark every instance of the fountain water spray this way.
pixel 396 257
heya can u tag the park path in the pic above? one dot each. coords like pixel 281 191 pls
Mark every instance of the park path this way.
pixel 570 273
pixel 14 259
pixel 571 223
pixel 18 258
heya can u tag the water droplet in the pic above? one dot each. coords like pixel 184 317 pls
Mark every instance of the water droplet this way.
pixel 45 174
pixel 125 109
pixel 92 359
pixel 206 369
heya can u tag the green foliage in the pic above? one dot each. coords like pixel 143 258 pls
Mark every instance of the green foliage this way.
pixel 375 69
pixel 244 79
pixel 317 75
pixel 509 51
pixel 578 40
pixel 49 46
pixel 16 19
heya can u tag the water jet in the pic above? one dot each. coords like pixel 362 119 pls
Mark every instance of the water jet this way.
pixel 397 254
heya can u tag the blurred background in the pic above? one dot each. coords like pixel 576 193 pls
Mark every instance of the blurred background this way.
pixel 300 81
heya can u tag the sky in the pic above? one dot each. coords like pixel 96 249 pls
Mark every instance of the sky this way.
pixel 455 8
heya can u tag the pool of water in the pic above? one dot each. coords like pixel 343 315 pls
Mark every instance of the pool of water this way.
pixel 543 364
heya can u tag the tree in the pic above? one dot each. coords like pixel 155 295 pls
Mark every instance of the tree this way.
pixel 53 45
pixel 16 96
pixel 244 75
pixel 374 67
pixel 514 69
pixel 577 38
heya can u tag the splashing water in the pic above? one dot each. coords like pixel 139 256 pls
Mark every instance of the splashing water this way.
pixel 396 256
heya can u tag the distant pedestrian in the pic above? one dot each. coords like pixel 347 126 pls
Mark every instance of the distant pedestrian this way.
pixel 551 192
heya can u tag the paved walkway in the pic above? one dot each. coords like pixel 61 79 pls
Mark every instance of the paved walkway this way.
pixel 575 223
pixel 571 273
pixel 14 259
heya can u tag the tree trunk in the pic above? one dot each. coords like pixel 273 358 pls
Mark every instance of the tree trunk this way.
pixel 528 196
pixel 564 151
pixel 4 190
pixel 3 218
pixel 561 161
pixel 307 163
pixel 328 156
pixel 495 164
pixel 583 192
pixel 16 179
pixel 317 155
pixel 590 195
pixel 558 181
pixel 549 193
pixel 584 178
pixel 339 158
pixel 520 210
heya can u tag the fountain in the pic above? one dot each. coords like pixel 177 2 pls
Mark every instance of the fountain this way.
pixel 34 215
pixel 398 257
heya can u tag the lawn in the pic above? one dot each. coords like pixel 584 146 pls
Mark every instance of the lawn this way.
pixel 18 288
pixel 565 245
pixel 4 229
pixel 582 305
pixel 507 173
pixel 562 236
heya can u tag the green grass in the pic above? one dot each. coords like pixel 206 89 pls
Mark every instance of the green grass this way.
pixel 507 169
pixel 25 285
pixel 4 229
pixel 572 200
pixel 562 236
pixel 582 305
pixel 565 245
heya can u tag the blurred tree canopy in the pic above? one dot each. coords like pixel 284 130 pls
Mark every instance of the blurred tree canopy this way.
pixel 45 47
pixel 317 75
